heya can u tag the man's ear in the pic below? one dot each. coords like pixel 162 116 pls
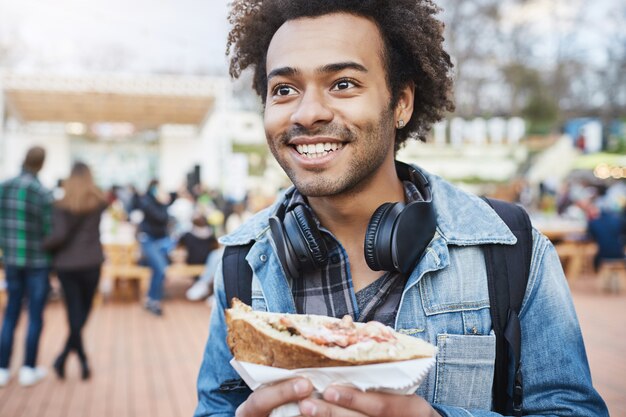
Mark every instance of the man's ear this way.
pixel 404 106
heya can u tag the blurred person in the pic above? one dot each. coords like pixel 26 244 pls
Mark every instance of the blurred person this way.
pixel 344 84
pixel 57 191
pixel 199 242
pixel 218 199
pixel 204 201
pixel 581 142
pixel 206 205
pixel 25 217
pixel 125 194
pixel 182 212
pixel 155 241
pixel 116 206
pixel 77 256
pixel 135 215
pixel 564 198
pixel 607 227
pixel 203 287
pixel 216 221
pixel 239 215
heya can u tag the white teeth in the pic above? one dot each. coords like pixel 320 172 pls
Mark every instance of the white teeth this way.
pixel 317 150
pixel 315 155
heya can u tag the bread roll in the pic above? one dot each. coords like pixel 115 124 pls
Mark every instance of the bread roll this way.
pixel 293 341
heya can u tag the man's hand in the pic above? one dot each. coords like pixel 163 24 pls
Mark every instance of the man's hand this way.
pixel 262 401
pixel 349 402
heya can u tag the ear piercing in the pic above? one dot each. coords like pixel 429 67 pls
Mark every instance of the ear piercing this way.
pixel 400 124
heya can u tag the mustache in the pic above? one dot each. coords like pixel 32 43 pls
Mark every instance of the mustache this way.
pixel 329 130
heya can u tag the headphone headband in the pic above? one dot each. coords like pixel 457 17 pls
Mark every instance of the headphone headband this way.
pixel 407 172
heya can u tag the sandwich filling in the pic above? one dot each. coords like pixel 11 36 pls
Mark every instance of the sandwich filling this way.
pixel 294 341
pixel 340 333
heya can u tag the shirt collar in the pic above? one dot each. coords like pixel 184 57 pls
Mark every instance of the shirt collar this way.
pixel 30 173
pixel 462 218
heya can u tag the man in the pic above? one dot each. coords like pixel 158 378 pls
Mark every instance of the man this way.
pixel 25 217
pixel 344 84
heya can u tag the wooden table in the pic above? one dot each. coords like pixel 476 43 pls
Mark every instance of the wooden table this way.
pixel 576 257
pixel 570 239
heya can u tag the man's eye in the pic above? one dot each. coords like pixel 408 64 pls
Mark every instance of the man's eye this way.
pixel 284 90
pixel 343 85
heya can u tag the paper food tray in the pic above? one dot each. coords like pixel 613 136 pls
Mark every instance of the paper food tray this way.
pixel 403 377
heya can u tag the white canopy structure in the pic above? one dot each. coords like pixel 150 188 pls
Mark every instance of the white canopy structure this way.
pixel 145 101
pixel 128 127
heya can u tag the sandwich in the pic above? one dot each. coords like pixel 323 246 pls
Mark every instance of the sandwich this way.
pixel 292 341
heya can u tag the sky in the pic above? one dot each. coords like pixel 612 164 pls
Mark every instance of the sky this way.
pixel 586 26
pixel 141 35
pixel 185 36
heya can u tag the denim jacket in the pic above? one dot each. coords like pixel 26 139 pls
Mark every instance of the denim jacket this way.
pixel 445 302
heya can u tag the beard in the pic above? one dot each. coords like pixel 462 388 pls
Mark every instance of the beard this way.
pixel 368 148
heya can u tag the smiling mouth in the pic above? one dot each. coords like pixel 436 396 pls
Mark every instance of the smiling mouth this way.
pixel 318 150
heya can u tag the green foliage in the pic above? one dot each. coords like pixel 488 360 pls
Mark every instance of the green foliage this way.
pixel 616 144
pixel 257 156
pixel 530 94
pixel 542 112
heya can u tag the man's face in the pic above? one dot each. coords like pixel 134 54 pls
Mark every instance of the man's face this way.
pixel 328 119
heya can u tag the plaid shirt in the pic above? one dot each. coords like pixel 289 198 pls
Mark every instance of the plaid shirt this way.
pixel 329 291
pixel 25 219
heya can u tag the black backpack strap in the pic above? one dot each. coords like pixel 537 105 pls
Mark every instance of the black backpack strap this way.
pixel 237 283
pixel 508 267
pixel 237 273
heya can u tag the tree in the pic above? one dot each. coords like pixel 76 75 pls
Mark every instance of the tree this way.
pixel 471 36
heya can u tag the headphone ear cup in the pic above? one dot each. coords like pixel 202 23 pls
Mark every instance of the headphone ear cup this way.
pixel 310 236
pixel 371 257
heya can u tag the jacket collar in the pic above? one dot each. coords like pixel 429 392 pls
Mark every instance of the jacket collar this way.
pixel 462 219
pixel 466 219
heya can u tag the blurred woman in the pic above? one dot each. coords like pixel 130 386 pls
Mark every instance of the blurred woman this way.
pixel 77 256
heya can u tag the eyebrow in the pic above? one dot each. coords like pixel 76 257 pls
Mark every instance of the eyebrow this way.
pixel 326 69
pixel 340 66
pixel 282 72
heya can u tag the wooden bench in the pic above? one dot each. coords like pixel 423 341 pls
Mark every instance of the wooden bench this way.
pixel 183 270
pixel 121 269
pixel 179 268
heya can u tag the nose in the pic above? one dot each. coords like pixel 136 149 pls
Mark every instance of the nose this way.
pixel 312 110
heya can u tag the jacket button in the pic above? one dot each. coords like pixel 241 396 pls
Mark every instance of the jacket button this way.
pixel 263 258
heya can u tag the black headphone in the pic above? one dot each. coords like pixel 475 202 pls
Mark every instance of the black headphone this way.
pixel 396 236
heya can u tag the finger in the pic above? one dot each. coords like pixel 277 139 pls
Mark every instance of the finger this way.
pixel 377 404
pixel 319 408
pixel 262 401
pixel 354 399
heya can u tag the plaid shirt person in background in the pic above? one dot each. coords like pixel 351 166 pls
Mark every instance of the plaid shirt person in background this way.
pixel 25 219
